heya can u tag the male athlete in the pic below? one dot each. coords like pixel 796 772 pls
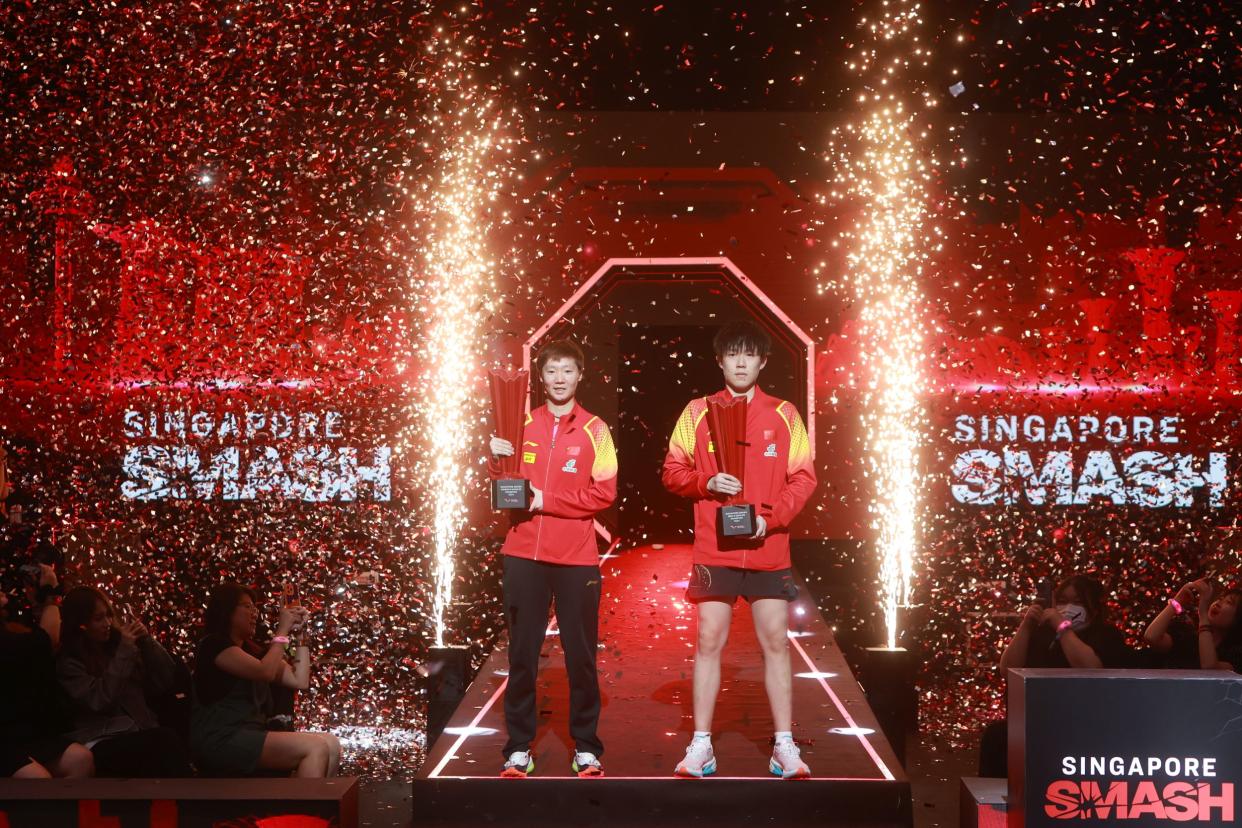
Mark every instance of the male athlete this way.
pixel 779 479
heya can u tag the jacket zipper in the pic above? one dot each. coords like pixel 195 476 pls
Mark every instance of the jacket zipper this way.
pixel 749 464
pixel 546 473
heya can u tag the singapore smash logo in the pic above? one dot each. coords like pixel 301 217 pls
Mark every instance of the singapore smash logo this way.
pixel 1117 796
pixel 1011 474
pixel 246 455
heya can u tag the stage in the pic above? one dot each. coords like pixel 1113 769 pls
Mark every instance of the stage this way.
pixel 645 663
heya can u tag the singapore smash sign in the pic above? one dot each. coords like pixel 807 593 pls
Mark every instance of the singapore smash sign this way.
pixel 1123 747
pixel 243 454
pixel 1041 460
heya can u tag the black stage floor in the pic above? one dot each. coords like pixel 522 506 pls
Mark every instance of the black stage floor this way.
pixel 645 662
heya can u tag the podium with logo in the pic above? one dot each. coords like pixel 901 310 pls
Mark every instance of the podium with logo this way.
pixel 1124 747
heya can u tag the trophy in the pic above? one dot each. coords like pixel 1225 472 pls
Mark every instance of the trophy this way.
pixel 510 490
pixel 726 423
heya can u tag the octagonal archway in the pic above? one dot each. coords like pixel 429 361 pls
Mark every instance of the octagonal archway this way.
pixel 646 326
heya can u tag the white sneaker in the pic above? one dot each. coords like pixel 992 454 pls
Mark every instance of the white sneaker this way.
pixel 587 764
pixel 519 764
pixel 787 761
pixel 699 761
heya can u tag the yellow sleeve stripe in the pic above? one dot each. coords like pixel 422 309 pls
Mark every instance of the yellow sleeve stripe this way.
pixel 686 429
pixel 799 443
pixel 605 465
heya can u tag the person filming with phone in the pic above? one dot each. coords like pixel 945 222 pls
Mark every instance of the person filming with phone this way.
pixel 112 669
pixel 1069 631
pixel 1212 642
pixel 233 680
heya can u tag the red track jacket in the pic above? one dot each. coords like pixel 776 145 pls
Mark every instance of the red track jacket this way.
pixel 779 480
pixel 577 473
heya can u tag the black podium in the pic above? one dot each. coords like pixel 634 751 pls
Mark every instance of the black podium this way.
pixel 1124 747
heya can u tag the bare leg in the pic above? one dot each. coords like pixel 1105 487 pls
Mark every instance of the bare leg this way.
pixel 772 629
pixel 334 753
pixel 77 762
pixel 306 754
pixel 714 618
pixel 32 771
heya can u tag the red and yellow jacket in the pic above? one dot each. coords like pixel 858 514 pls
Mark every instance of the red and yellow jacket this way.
pixel 779 479
pixel 577 473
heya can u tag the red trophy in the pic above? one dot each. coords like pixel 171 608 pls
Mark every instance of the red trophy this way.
pixel 726 423
pixel 509 389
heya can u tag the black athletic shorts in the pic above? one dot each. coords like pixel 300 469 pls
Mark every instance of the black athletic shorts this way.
pixel 728 583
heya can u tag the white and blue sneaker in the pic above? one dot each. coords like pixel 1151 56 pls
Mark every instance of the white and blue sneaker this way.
pixel 587 764
pixel 519 765
pixel 787 761
pixel 700 761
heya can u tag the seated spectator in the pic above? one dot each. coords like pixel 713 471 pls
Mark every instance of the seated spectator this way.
pixel 1214 643
pixel 1074 632
pixel 109 670
pixel 30 717
pixel 233 695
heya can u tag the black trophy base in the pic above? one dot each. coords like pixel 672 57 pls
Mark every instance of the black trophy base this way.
pixel 735 521
pixel 511 493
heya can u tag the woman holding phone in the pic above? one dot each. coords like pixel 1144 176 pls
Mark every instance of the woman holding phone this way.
pixel 1072 631
pixel 233 681
pixel 110 668
pixel 1213 643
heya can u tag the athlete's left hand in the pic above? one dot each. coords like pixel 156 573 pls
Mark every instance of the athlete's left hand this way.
pixel 761 528
pixel 536 499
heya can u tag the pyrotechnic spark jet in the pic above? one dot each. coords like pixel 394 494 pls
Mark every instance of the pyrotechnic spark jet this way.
pixel 467 139
pixel 886 176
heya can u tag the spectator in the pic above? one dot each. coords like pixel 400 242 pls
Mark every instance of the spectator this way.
pixel 1214 643
pixel 29 575
pixel 109 670
pixel 233 694
pixel 30 717
pixel 1075 632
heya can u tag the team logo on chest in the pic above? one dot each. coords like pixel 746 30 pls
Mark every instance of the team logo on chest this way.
pixel 770 451
pixel 571 465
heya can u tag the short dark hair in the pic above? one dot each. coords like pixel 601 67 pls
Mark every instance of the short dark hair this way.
pixel 742 336
pixel 559 349
pixel 224 599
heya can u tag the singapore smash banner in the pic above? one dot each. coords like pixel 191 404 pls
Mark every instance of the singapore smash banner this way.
pixel 276 446
pixel 1135 451
pixel 1124 747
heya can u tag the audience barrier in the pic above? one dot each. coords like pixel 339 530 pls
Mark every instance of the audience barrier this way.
pixel 1118 747
pixel 179 803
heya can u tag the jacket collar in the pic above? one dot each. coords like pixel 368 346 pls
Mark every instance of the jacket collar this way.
pixel 576 415
pixel 724 395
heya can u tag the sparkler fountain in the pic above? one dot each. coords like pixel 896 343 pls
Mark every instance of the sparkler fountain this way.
pixel 885 176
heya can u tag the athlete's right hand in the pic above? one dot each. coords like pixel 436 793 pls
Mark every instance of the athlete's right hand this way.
pixel 725 484
pixel 500 448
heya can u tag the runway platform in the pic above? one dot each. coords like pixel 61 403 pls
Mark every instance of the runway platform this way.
pixel 645 664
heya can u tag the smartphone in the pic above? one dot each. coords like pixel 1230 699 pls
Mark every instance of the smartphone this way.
pixel 1045 594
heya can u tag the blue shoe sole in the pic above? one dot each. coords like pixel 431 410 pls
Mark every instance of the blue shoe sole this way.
pixel 708 770
pixel 776 770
